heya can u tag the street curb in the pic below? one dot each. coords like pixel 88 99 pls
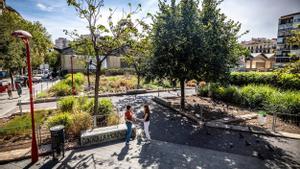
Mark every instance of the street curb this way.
pixel 167 104
pixel 130 92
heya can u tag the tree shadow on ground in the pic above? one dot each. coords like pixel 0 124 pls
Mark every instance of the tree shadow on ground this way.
pixel 168 126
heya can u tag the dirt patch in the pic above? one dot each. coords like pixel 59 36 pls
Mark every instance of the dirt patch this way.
pixel 213 110
pixel 210 109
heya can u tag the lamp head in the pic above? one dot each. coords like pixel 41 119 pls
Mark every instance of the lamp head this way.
pixel 21 34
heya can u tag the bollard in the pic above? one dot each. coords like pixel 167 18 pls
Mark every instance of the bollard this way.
pixel 20 106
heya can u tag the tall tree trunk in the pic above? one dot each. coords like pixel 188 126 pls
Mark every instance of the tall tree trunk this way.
pixel 138 81
pixel 88 75
pixel 11 79
pixel 98 69
pixel 182 105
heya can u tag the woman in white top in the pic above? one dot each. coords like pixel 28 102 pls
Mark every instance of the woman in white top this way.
pixel 146 120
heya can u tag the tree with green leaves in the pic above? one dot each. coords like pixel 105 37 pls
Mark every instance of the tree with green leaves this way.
pixel 83 46
pixel 189 43
pixel 12 50
pixel 139 52
pixel 106 40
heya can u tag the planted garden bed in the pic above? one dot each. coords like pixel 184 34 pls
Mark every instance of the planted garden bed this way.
pixel 218 110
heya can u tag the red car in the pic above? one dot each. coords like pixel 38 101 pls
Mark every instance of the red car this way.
pixel 3 86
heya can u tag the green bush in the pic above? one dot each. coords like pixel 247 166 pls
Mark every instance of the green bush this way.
pixel 64 87
pixel 77 77
pixel 289 81
pixel 61 89
pixel 231 94
pixel 284 102
pixel 255 96
pixel 280 80
pixel 67 104
pixel 105 106
pixel 203 91
pixel 60 119
pixel 260 97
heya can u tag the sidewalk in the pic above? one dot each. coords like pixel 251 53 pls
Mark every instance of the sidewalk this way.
pixel 10 106
pixel 158 154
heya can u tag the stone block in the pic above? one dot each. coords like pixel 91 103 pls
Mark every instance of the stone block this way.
pixel 104 134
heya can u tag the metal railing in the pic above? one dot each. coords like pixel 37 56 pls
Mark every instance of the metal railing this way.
pixel 286 118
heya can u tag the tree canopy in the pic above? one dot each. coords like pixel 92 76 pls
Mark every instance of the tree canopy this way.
pixel 192 43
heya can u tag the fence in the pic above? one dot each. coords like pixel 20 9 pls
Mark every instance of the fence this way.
pixel 286 118
pixel 19 137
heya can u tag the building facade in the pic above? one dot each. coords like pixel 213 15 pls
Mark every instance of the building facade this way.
pixel 260 62
pixel 286 24
pixel 80 61
pixel 260 45
pixel 61 43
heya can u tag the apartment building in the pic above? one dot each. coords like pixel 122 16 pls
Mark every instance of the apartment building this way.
pixel 260 45
pixel 61 43
pixel 286 24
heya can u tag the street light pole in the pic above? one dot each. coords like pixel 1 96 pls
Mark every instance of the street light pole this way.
pixel 73 88
pixel 25 37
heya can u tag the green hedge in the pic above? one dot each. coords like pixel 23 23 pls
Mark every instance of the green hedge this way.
pixel 64 87
pixel 258 97
pixel 281 80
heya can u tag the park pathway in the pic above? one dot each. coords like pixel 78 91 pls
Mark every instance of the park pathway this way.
pixel 180 143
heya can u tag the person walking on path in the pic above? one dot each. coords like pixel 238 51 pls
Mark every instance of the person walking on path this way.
pixel 146 120
pixel 19 89
pixel 9 91
pixel 128 120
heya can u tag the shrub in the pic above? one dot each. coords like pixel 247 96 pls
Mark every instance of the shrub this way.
pixel 60 119
pixel 78 79
pixel 203 91
pixel 284 102
pixel 255 96
pixel 80 121
pixel 113 119
pixel 281 80
pixel 61 89
pixel 67 104
pixel 231 94
pixel 105 106
pixel 289 81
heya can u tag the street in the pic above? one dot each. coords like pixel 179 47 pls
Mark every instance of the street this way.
pixel 9 106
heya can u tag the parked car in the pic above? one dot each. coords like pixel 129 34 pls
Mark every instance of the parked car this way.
pixel 3 85
pixel 3 74
pixel 37 78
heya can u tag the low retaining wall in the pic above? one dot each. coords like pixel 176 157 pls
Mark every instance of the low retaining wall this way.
pixel 105 134
pixel 129 92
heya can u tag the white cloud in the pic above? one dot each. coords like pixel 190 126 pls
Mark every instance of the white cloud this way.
pixel 44 7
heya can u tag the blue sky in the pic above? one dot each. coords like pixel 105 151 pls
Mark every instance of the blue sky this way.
pixel 260 17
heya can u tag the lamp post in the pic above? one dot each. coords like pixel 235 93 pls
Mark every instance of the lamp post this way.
pixel 25 37
pixel 73 88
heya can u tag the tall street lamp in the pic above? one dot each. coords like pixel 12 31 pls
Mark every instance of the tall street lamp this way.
pixel 73 88
pixel 25 37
